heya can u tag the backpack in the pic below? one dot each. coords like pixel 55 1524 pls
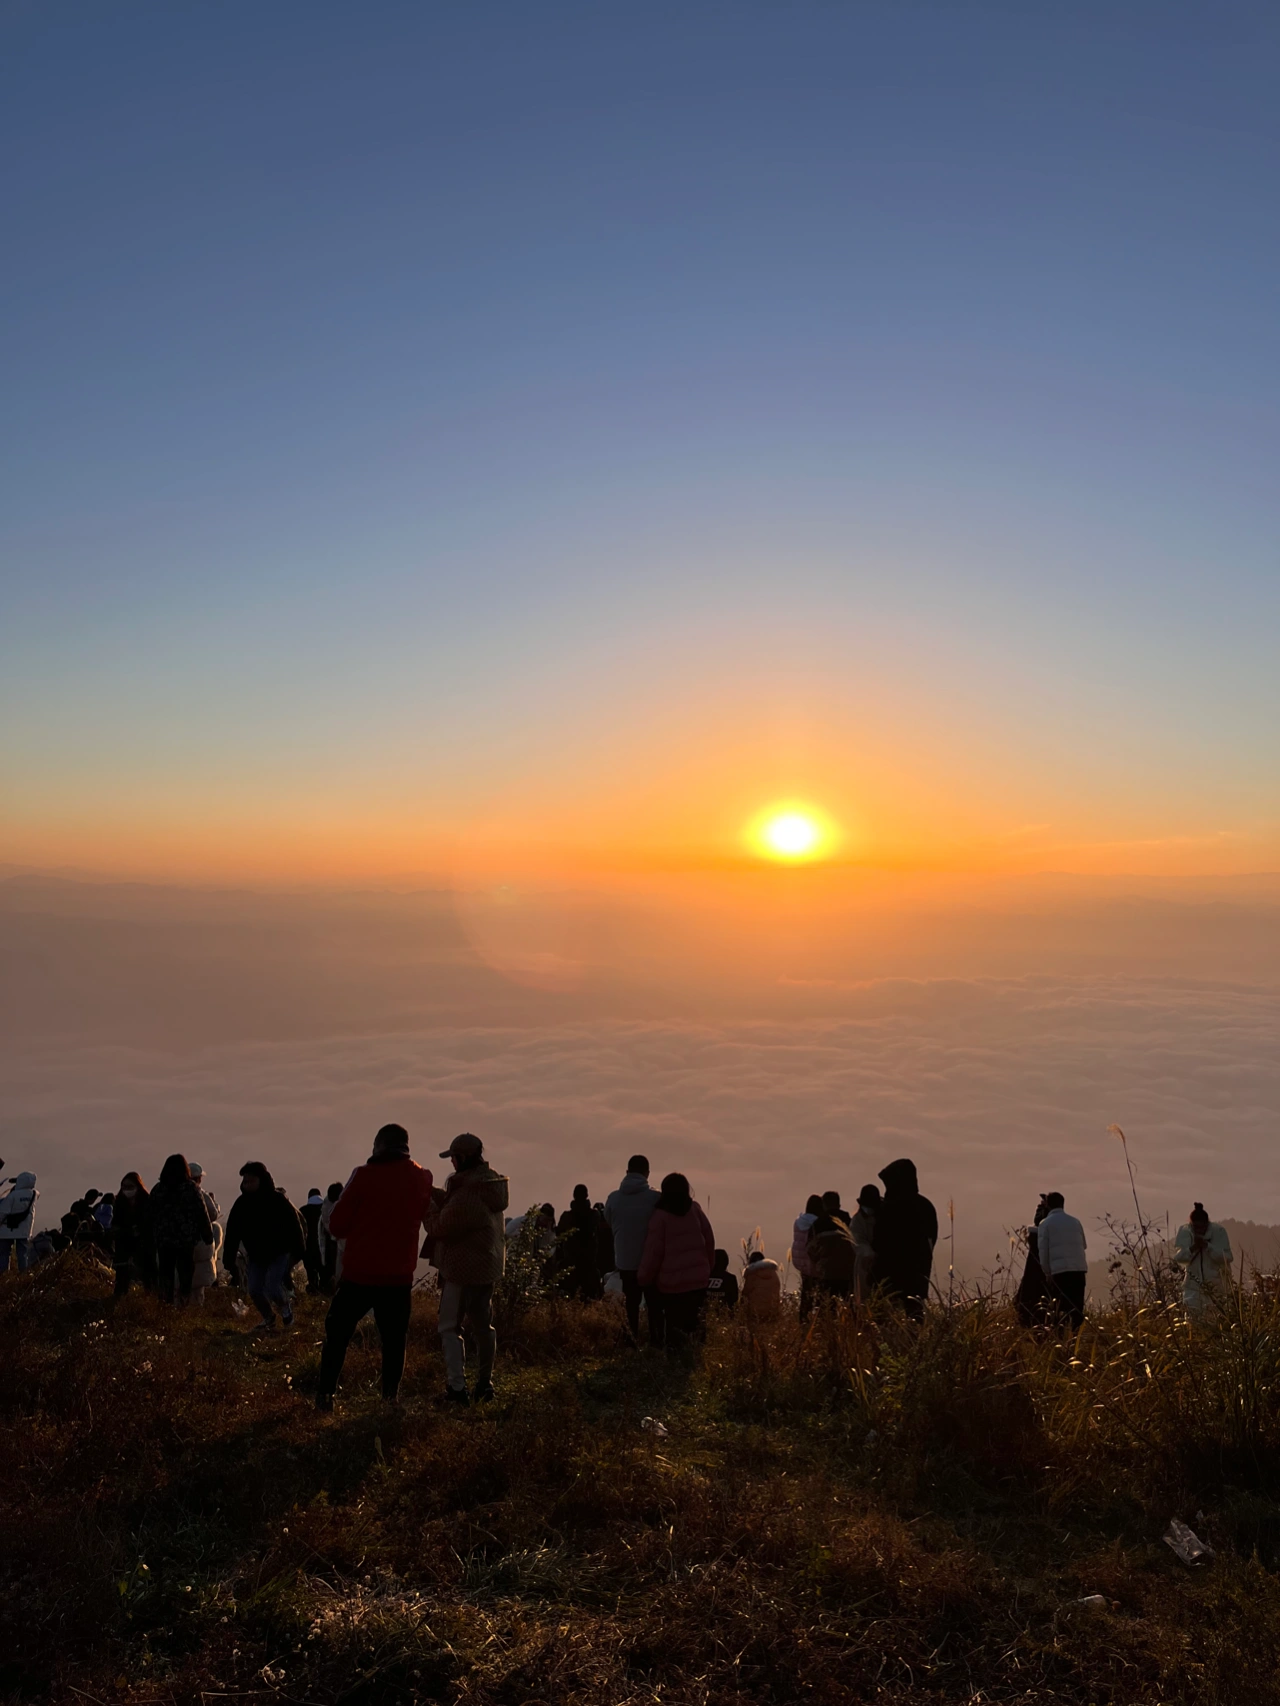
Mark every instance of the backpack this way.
pixel 834 1253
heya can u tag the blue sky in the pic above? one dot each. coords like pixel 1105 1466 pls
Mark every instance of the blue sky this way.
pixel 471 404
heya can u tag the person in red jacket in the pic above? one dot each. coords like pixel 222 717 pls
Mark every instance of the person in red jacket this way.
pixel 679 1249
pixel 380 1214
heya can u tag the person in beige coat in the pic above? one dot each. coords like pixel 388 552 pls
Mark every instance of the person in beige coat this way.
pixel 761 1290
pixel 467 1236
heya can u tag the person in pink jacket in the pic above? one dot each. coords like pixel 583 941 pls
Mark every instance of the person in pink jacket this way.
pixel 678 1252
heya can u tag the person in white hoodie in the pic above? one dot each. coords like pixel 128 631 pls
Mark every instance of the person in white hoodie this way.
pixel 1203 1249
pixel 205 1256
pixel 17 1209
pixel 1062 1245
pixel 627 1213
pixel 801 1260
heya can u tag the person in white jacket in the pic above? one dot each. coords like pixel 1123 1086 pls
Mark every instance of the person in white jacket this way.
pixel 1203 1250
pixel 1062 1246
pixel 627 1212
pixel 17 1208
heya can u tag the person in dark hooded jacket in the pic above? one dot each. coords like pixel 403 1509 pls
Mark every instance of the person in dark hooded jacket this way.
pixel 179 1221
pixel 267 1225
pixel 576 1248
pixel 135 1244
pixel 906 1231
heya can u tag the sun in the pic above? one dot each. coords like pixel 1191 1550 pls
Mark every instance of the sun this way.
pixel 791 833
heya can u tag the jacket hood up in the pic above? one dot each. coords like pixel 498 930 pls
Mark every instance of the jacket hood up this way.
pixel 900 1177
pixel 24 1181
pixel 263 1175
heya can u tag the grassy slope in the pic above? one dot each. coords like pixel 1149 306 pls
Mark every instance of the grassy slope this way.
pixel 180 1525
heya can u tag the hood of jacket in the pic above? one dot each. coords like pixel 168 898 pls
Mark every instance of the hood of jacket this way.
pixel 900 1178
pixel 492 1187
pixel 24 1181
pixel 633 1183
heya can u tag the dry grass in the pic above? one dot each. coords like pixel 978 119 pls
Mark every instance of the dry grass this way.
pixel 852 1511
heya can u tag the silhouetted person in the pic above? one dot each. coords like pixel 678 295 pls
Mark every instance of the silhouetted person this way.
pixel 831 1206
pixel 801 1260
pixel 862 1229
pixel 266 1223
pixel 906 1231
pixel 134 1242
pixel 678 1252
pixel 1031 1301
pixel 761 1290
pixel 312 1260
pixel 17 1210
pixel 628 1211
pixel 180 1221
pixel 380 1215
pixel 470 1253
pixel 330 1247
pixel 1203 1250
pixel 606 1260
pixel 722 1287
pixel 1061 1245
pixel 205 1256
pixel 832 1251
pixel 104 1214
pixel 576 1252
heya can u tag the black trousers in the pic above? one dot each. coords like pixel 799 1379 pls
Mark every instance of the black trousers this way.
pixel 351 1303
pixel 633 1291
pixel 1066 1298
pixel 682 1311
pixel 175 1262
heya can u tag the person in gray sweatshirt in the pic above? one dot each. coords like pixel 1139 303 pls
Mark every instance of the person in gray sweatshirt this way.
pixel 627 1212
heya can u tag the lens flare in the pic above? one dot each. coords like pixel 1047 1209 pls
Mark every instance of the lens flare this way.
pixel 792 833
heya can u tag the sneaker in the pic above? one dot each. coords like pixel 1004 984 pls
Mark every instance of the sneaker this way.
pixel 324 1401
pixel 391 1400
pixel 456 1395
pixel 484 1394
pixel 286 1315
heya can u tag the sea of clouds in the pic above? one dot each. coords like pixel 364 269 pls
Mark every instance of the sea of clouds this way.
pixel 998 1088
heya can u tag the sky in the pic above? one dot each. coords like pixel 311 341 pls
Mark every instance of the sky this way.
pixel 462 468
pixel 503 439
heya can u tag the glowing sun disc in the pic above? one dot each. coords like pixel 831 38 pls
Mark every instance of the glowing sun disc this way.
pixel 790 833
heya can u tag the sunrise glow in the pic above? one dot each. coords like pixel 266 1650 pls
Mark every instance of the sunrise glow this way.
pixel 791 833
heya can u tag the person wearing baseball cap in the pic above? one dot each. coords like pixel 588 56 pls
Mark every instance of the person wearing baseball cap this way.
pixel 469 1250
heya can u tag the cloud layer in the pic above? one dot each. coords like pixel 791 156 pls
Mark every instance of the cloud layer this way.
pixel 998 1088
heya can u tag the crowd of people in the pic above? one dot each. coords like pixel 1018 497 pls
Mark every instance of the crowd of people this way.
pixel 361 1244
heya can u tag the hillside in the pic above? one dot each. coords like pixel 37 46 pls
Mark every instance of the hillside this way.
pixel 863 1512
